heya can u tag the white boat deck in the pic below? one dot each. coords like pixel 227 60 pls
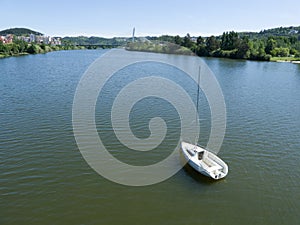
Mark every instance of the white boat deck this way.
pixel 210 165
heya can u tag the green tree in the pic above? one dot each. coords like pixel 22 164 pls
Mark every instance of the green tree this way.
pixel 281 52
pixel 200 41
pixel 178 40
pixel 187 42
pixel 293 51
pixel 229 41
pixel 212 44
pixel 34 49
pixel 21 45
pixel 31 49
pixel 4 49
pixel 224 41
pixel 201 50
pixel 261 55
pixel 243 49
pixel 271 44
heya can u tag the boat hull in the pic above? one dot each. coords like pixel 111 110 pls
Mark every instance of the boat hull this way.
pixel 204 162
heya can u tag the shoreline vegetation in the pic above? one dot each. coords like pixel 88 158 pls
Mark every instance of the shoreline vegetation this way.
pixel 24 41
pixel 21 48
pixel 231 45
pixel 158 47
pixel 277 45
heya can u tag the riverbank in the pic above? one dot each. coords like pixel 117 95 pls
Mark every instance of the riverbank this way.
pixel 286 59
pixel 11 50
pixel 170 48
pixel 19 54
pixel 234 45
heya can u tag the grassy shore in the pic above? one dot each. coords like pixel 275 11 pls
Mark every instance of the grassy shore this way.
pixel 285 59
pixel 19 54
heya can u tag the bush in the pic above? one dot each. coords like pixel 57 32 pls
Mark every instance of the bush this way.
pixel 225 53
pixel 201 51
pixel 47 48
pixel 34 49
pixel 293 51
pixel 281 52
pixel 260 57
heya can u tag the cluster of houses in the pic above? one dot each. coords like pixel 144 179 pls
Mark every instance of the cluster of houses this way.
pixel 6 39
pixel 41 39
pixel 32 38
pixel 293 31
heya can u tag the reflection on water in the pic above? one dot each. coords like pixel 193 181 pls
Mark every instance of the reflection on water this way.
pixel 44 178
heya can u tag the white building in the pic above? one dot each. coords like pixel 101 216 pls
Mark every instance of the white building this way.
pixel 32 38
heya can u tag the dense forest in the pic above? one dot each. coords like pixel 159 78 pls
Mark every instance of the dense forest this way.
pixel 273 44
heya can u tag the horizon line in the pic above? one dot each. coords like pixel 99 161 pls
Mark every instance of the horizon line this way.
pixel 196 34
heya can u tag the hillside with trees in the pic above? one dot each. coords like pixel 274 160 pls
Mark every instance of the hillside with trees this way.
pixel 19 32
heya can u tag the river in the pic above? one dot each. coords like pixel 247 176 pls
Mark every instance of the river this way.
pixel 45 180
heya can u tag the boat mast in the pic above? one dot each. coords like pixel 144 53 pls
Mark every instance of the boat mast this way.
pixel 197 104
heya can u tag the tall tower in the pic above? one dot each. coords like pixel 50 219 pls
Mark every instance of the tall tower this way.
pixel 133 34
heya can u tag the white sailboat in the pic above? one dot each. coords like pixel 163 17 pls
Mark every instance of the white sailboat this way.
pixel 202 160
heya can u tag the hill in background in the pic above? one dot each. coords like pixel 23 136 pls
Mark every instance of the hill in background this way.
pixel 279 31
pixel 82 40
pixel 19 31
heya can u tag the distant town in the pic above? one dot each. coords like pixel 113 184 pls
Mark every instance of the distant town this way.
pixel 23 41
pixel 32 38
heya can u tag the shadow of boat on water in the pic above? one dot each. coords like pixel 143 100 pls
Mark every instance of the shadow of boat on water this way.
pixel 198 177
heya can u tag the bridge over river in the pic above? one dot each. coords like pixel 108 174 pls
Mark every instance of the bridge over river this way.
pixel 93 46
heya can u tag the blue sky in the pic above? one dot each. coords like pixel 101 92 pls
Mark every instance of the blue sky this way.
pixel 156 17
